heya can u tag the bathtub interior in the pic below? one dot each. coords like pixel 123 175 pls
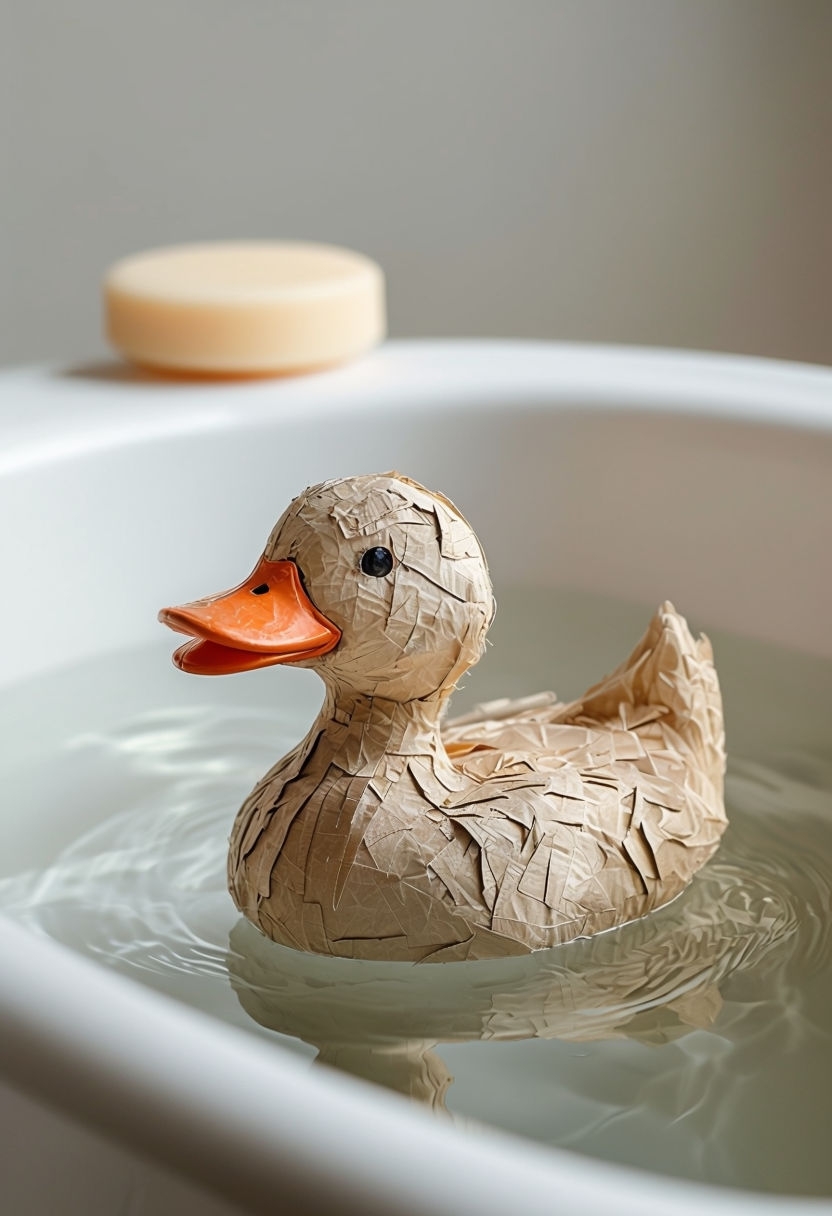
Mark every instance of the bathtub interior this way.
pixel 587 495
pixel 731 516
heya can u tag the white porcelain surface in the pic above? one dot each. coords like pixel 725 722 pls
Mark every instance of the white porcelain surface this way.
pixel 620 471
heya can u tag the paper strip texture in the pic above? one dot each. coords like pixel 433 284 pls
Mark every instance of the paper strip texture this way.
pixel 389 834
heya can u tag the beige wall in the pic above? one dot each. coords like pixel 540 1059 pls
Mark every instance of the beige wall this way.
pixel 653 171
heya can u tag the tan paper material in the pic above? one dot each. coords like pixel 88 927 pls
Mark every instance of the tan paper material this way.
pixel 387 834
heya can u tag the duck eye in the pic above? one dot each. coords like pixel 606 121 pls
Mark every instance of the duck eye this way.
pixel 377 562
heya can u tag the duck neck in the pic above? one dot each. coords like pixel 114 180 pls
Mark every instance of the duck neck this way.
pixel 365 732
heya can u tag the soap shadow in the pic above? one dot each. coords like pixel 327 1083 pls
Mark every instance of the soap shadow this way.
pixel 110 371
pixel 133 375
pixel 116 371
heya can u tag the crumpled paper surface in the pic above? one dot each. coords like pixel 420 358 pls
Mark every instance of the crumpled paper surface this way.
pixel 386 834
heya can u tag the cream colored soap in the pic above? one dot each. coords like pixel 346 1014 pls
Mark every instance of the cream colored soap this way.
pixel 244 307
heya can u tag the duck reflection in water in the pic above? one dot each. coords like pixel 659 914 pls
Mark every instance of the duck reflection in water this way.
pixel 652 981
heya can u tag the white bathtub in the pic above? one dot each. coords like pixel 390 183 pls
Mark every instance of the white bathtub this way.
pixel 620 471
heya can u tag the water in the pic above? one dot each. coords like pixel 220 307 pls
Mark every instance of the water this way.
pixel 696 1042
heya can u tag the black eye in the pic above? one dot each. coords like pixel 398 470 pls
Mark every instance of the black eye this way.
pixel 377 562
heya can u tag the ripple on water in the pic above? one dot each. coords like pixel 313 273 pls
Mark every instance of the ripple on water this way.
pixel 674 1042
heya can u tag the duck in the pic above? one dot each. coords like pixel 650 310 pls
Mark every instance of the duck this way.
pixel 392 832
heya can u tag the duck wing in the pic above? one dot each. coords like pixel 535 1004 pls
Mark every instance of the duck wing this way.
pixel 591 813
pixel 666 693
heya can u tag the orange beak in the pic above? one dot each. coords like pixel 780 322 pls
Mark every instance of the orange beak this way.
pixel 267 619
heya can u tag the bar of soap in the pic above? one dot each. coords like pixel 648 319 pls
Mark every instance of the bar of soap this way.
pixel 243 308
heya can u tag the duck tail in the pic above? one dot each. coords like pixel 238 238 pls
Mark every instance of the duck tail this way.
pixel 674 672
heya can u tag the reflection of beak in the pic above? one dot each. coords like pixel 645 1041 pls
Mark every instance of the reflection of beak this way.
pixel 267 619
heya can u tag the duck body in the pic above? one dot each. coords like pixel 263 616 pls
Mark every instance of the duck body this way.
pixel 392 832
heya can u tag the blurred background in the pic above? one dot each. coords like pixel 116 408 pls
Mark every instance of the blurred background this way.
pixel 648 171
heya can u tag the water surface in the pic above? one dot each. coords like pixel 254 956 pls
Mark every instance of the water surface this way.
pixel 695 1042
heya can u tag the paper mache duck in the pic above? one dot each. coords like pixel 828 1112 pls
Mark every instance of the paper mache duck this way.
pixel 393 833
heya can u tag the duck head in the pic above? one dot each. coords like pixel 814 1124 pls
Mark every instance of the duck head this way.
pixel 376 582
